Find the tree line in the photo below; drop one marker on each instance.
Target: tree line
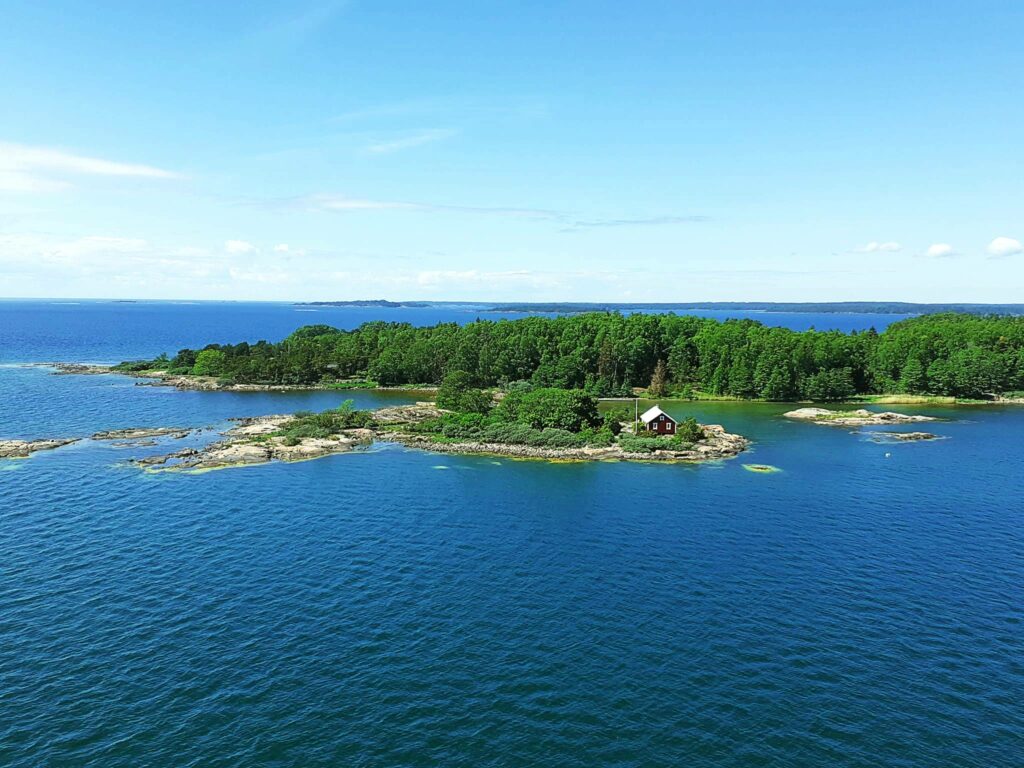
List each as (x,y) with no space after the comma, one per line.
(608,354)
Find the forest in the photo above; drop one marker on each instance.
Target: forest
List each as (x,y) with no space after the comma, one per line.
(609,354)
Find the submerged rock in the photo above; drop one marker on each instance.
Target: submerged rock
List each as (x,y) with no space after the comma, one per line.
(764,469)
(904,437)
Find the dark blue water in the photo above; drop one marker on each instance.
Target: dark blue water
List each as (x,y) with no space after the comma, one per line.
(398,607)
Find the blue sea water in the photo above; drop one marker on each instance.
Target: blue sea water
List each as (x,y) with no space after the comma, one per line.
(862,607)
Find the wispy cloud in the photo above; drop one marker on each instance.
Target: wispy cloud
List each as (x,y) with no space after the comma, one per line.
(409,141)
(291,30)
(650,221)
(337,204)
(386,111)
(26,168)
(570,222)
(889,246)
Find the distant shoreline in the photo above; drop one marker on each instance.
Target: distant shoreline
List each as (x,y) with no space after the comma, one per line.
(570,307)
(187,382)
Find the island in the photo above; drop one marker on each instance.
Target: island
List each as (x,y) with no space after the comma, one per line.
(858,418)
(547,425)
(949,357)
(544,424)
(530,387)
(366,303)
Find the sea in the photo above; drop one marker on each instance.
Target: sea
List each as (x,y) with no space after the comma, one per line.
(861,606)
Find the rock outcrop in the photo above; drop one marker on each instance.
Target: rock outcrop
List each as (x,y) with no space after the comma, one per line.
(21,449)
(858,418)
(903,437)
(142,433)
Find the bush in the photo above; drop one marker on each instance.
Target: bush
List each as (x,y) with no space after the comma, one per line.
(635,444)
(570,409)
(134,366)
(492,429)
(689,431)
(459,393)
(614,418)
(327,423)
(209,362)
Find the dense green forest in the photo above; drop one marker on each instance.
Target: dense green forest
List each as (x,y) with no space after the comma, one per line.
(608,354)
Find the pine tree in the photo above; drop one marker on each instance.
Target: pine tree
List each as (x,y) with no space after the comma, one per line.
(659,381)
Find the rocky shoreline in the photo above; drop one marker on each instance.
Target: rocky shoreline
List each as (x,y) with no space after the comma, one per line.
(719,444)
(254,441)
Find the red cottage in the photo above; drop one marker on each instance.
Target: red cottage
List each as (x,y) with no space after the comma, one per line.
(657,422)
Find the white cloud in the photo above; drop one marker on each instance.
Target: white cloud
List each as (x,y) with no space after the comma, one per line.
(236,247)
(939,251)
(281,248)
(61,260)
(387,147)
(42,169)
(1005,246)
(889,246)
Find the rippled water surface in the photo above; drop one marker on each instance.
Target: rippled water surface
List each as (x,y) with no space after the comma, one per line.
(862,607)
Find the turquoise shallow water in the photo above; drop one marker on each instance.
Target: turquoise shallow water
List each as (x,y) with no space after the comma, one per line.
(374,609)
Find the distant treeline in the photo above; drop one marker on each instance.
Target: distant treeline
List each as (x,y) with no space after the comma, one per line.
(607,354)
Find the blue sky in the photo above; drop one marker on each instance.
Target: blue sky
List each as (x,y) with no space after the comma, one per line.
(667,151)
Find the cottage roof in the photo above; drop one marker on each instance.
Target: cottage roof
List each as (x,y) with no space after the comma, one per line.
(651,414)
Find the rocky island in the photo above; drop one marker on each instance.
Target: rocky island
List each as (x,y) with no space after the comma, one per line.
(858,418)
(299,437)
(303,436)
(22,449)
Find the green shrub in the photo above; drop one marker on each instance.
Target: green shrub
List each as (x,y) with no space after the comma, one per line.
(326,423)
(640,444)
(689,431)
(569,409)
(209,362)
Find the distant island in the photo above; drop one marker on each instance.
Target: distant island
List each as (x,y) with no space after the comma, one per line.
(364,303)
(828,307)
(842,307)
